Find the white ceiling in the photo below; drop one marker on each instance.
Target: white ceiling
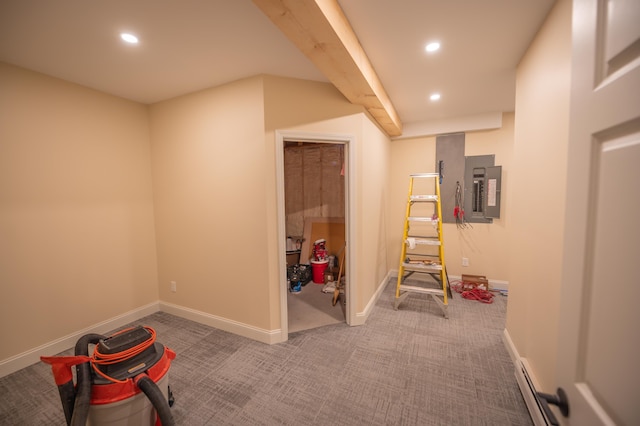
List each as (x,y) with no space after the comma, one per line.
(189,45)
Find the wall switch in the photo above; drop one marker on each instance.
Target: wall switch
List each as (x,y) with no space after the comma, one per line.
(173,286)
(465,261)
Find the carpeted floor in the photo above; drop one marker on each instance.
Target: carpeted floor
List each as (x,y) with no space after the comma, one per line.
(311,308)
(405,367)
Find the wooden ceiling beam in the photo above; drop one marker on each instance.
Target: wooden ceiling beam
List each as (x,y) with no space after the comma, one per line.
(322,32)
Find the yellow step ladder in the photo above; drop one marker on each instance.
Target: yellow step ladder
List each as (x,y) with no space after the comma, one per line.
(422,245)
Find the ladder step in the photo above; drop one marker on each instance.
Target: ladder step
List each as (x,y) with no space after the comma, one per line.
(414,289)
(421,267)
(424,175)
(424,241)
(423,198)
(423,219)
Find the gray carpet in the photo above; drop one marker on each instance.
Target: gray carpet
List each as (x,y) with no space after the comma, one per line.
(405,367)
(311,308)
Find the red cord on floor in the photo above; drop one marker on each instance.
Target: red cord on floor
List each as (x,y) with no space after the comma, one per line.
(478,294)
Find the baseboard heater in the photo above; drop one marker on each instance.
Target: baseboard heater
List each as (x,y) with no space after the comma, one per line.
(538,408)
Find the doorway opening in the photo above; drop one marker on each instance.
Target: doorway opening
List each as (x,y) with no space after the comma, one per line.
(314,187)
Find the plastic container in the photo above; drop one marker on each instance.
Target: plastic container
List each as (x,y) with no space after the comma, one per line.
(320,250)
(318,267)
(134,410)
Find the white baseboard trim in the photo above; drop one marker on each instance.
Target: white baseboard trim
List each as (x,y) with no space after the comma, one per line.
(27,358)
(511,348)
(361,317)
(527,381)
(241,329)
(32,356)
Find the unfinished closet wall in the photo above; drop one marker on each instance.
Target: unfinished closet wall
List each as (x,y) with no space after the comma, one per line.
(314,184)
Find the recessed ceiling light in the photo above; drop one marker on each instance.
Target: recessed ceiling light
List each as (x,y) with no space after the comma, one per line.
(435,97)
(129,38)
(432,47)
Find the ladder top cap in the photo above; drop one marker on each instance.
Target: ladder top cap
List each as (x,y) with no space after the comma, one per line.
(424,175)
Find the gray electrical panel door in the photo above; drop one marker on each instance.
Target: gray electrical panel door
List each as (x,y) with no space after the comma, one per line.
(481,189)
(450,165)
(494,178)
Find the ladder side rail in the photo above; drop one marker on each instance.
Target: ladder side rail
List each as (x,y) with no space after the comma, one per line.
(441,247)
(405,233)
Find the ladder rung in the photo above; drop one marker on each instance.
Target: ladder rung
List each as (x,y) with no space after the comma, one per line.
(423,219)
(423,198)
(424,175)
(414,289)
(425,241)
(421,267)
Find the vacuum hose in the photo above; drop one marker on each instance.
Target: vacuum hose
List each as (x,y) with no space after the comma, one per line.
(157,399)
(68,397)
(83,377)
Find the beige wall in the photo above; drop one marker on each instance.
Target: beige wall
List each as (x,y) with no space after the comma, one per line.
(408,156)
(373,168)
(214,177)
(210,175)
(77,241)
(485,245)
(86,236)
(539,172)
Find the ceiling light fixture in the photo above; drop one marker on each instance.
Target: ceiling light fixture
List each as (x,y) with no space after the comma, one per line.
(432,47)
(435,97)
(129,38)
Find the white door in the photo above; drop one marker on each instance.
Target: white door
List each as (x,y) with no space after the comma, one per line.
(599,350)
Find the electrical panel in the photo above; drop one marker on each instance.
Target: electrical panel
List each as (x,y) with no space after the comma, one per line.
(450,166)
(482,187)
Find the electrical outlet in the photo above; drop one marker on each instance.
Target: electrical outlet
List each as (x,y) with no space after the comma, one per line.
(465,261)
(173,286)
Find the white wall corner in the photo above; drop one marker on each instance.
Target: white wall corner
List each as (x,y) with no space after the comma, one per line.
(32,356)
(361,317)
(225,324)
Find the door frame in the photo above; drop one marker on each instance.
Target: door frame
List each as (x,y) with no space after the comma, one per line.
(348,141)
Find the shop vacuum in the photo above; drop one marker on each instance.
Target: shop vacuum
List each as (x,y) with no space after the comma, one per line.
(124,382)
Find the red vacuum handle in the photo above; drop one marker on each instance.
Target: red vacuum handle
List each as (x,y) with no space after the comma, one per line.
(61,366)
